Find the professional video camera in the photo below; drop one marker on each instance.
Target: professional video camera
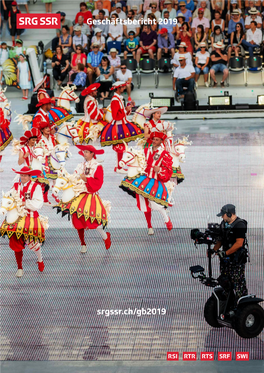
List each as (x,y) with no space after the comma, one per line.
(211,235)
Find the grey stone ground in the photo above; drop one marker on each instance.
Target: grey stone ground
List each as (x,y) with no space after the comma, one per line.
(53,315)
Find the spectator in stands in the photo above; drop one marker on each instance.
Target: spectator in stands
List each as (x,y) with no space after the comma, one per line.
(106,5)
(105,76)
(199,37)
(99,6)
(93,61)
(185,36)
(12,21)
(98,39)
(208,4)
(60,64)
(119,11)
(219,63)
(135,27)
(207,13)
(237,18)
(84,12)
(218,5)
(186,12)
(64,22)
(90,5)
(7,7)
(65,39)
(115,29)
(137,3)
(254,38)
(153,22)
(166,44)
(202,60)
(200,20)
(217,36)
(114,59)
(78,57)
(4,55)
(85,28)
(183,77)
(79,38)
(182,52)
(48,5)
(23,76)
(172,11)
(171,27)
(231,7)
(125,75)
(80,79)
(180,21)
(113,5)
(148,41)
(131,45)
(153,9)
(101,25)
(236,41)
(218,21)
(148,3)
(19,49)
(190,5)
(252,4)
(253,16)
(138,16)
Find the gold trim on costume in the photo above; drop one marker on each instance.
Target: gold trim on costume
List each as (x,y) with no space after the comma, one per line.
(128,139)
(2,147)
(144,194)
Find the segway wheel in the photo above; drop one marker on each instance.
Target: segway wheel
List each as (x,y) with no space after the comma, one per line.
(210,312)
(249,321)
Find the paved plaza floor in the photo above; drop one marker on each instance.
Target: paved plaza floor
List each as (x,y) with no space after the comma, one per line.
(54,315)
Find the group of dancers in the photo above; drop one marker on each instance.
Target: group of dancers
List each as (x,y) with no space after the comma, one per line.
(80,199)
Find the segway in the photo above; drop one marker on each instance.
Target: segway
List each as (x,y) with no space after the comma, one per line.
(222,309)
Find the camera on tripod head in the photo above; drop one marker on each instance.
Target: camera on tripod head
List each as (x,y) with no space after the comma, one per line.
(210,236)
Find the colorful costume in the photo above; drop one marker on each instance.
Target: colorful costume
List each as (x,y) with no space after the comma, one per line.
(150,189)
(5,133)
(151,125)
(87,209)
(26,229)
(119,130)
(25,149)
(41,115)
(93,115)
(57,114)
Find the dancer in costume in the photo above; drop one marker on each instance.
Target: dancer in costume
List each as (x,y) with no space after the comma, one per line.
(42,115)
(92,115)
(120,130)
(87,209)
(27,143)
(150,189)
(48,141)
(154,118)
(5,134)
(57,114)
(22,224)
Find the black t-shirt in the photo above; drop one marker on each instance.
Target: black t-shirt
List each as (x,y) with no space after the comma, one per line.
(62,61)
(214,53)
(237,230)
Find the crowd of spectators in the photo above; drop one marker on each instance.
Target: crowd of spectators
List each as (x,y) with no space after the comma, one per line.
(198,36)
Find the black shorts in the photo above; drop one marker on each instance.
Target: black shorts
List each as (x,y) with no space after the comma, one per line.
(14,31)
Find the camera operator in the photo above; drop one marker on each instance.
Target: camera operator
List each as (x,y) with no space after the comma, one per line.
(234,255)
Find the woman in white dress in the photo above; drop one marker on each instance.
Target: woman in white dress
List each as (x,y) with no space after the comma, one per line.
(23,76)
(115,31)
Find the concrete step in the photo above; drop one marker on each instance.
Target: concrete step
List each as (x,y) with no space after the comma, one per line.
(32,37)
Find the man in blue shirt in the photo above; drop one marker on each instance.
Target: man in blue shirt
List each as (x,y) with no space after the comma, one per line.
(187,13)
(168,23)
(93,61)
(233,21)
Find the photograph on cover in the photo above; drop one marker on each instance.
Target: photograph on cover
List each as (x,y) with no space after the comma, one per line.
(131,171)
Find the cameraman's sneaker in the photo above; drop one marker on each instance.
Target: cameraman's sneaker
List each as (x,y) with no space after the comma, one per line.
(150,231)
(206,84)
